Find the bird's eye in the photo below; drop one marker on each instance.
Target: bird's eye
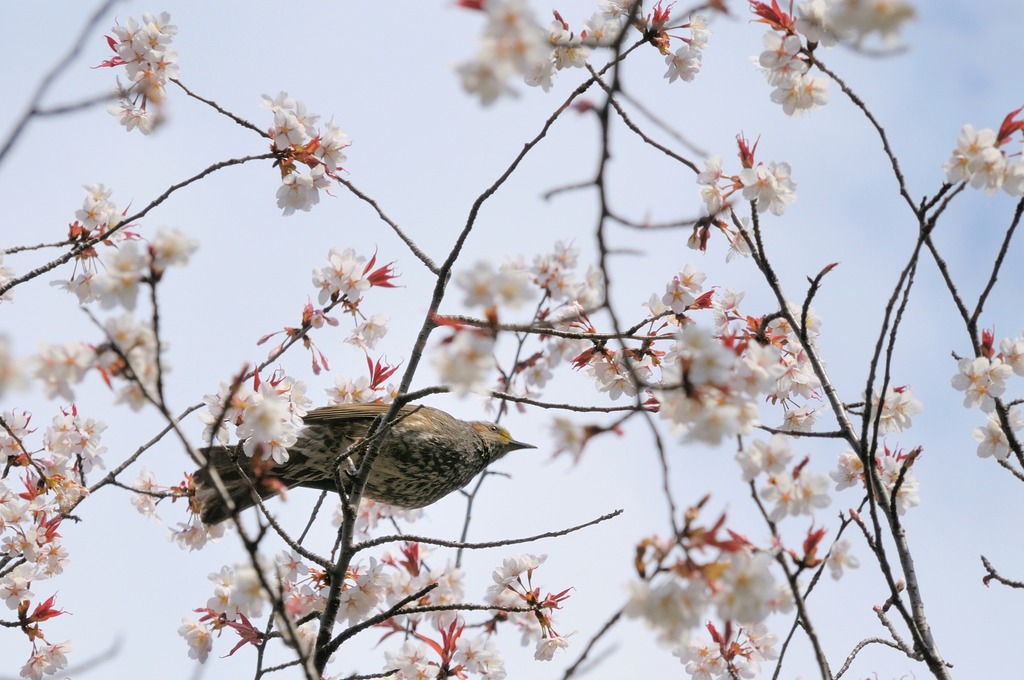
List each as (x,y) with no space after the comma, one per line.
(494,428)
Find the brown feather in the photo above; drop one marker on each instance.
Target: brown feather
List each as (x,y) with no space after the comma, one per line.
(424,455)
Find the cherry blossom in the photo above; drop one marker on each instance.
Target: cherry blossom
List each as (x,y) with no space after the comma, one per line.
(747,587)
(299,143)
(58,367)
(344,275)
(171,247)
(862,18)
(801,93)
(74,441)
(978,161)
(898,408)
(991,437)
(489,288)
(513,42)
(369,332)
(702,659)
(814,22)
(683,64)
(144,502)
(769,457)
(199,638)
(769,186)
(546,647)
(669,606)
(894,469)
(781,58)
(981,380)
(850,471)
(118,283)
(143,48)
(410,661)
(1011,351)
(465,361)
(839,558)
(684,289)
(569,438)
(479,655)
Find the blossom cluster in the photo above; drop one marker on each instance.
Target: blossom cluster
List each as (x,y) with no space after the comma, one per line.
(360,390)
(827,21)
(348,275)
(452,653)
(789,44)
(685,62)
(514,43)
(508,286)
(786,70)
(97,220)
(723,657)
(894,470)
(149,494)
(785,62)
(453,656)
(342,282)
(706,383)
(52,481)
(710,571)
(46,658)
(682,582)
(143,48)
(465,360)
(129,354)
(71,448)
(555,274)
(896,410)
(298,142)
(710,381)
(239,594)
(708,389)
(794,492)
(983,379)
(769,186)
(125,262)
(267,416)
(408,573)
(513,587)
(569,298)
(58,367)
(979,160)
(190,535)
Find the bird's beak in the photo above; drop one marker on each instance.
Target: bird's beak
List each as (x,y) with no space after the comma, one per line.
(515,446)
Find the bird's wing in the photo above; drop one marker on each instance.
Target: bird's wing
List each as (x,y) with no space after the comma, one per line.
(344,412)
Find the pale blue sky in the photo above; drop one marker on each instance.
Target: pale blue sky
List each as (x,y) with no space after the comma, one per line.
(425,150)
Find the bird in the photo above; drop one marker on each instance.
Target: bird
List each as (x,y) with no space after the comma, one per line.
(424,456)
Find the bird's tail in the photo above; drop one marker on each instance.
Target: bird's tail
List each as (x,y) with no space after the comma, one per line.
(243,479)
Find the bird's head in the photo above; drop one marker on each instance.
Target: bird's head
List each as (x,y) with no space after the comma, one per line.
(497,439)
